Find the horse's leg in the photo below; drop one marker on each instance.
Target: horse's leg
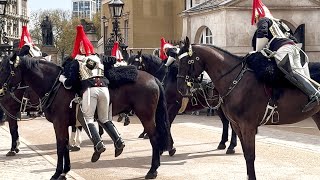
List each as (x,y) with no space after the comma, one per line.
(126,120)
(173,110)
(225,129)
(233,143)
(151,131)
(13,126)
(62,138)
(247,138)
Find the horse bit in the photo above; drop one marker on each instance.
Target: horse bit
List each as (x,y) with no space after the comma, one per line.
(191,80)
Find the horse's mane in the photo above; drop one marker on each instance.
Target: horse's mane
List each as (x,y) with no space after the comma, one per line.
(222,50)
(155,63)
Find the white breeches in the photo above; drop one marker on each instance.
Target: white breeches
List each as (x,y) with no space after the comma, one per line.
(96,98)
(75,139)
(294,58)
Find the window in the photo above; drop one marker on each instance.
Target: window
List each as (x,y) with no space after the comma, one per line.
(206,36)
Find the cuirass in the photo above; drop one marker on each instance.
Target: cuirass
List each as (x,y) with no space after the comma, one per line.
(90,67)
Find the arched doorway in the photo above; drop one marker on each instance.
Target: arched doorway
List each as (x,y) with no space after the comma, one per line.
(204,36)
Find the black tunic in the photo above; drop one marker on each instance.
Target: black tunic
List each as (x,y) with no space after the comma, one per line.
(263,32)
(73,78)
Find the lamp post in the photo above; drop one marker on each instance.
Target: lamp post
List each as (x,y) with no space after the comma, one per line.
(4,46)
(115,7)
(104,20)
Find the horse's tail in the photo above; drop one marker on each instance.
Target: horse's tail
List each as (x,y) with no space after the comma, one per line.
(165,141)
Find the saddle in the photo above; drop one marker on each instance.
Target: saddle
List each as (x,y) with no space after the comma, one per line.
(267,71)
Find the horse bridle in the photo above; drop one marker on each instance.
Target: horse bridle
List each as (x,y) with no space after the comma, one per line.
(141,65)
(4,87)
(43,101)
(191,79)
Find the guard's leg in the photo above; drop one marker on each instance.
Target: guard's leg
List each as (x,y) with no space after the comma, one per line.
(297,75)
(105,117)
(89,104)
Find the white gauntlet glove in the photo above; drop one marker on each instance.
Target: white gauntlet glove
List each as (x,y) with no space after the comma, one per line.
(62,79)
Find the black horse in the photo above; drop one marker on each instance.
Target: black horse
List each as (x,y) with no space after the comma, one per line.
(152,64)
(246,98)
(11,104)
(148,103)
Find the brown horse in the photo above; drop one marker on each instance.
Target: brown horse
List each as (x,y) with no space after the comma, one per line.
(148,103)
(243,97)
(11,104)
(204,95)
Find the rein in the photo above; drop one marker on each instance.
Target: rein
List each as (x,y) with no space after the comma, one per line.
(190,81)
(45,101)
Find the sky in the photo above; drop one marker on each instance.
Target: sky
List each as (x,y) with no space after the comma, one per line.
(49,4)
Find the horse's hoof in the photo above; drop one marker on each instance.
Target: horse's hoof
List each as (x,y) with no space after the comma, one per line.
(119,119)
(74,148)
(62,177)
(172,151)
(141,135)
(230,151)
(126,122)
(11,153)
(161,152)
(17,150)
(221,146)
(151,175)
(55,176)
(146,136)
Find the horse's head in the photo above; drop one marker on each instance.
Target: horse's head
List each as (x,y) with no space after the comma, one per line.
(189,68)
(10,74)
(137,60)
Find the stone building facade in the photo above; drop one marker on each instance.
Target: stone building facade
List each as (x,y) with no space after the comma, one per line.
(229,23)
(144,22)
(16,16)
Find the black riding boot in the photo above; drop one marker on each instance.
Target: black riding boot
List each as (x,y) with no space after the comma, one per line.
(115,136)
(97,142)
(310,90)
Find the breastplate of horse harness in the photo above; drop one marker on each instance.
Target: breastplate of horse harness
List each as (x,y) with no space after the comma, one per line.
(90,67)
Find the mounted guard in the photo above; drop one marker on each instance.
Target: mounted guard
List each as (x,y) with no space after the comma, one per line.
(26,44)
(273,36)
(88,67)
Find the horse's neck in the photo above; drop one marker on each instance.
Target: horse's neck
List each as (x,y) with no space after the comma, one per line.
(220,71)
(40,79)
(153,67)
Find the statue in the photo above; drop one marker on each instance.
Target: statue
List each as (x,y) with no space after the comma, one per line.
(47,35)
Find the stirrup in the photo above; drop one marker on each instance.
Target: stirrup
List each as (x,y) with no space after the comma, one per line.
(311,104)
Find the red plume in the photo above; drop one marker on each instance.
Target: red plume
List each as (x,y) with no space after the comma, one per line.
(25,37)
(258,8)
(116,51)
(163,56)
(82,44)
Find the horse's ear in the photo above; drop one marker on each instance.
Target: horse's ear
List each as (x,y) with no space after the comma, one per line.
(139,53)
(187,42)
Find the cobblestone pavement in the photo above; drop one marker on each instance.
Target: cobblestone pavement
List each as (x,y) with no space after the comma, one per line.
(290,152)
(30,164)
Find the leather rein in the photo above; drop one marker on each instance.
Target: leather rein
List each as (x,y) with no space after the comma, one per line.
(190,78)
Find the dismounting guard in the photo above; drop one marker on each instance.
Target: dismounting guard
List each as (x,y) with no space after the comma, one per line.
(168,52)
(273,35)
(95,93)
